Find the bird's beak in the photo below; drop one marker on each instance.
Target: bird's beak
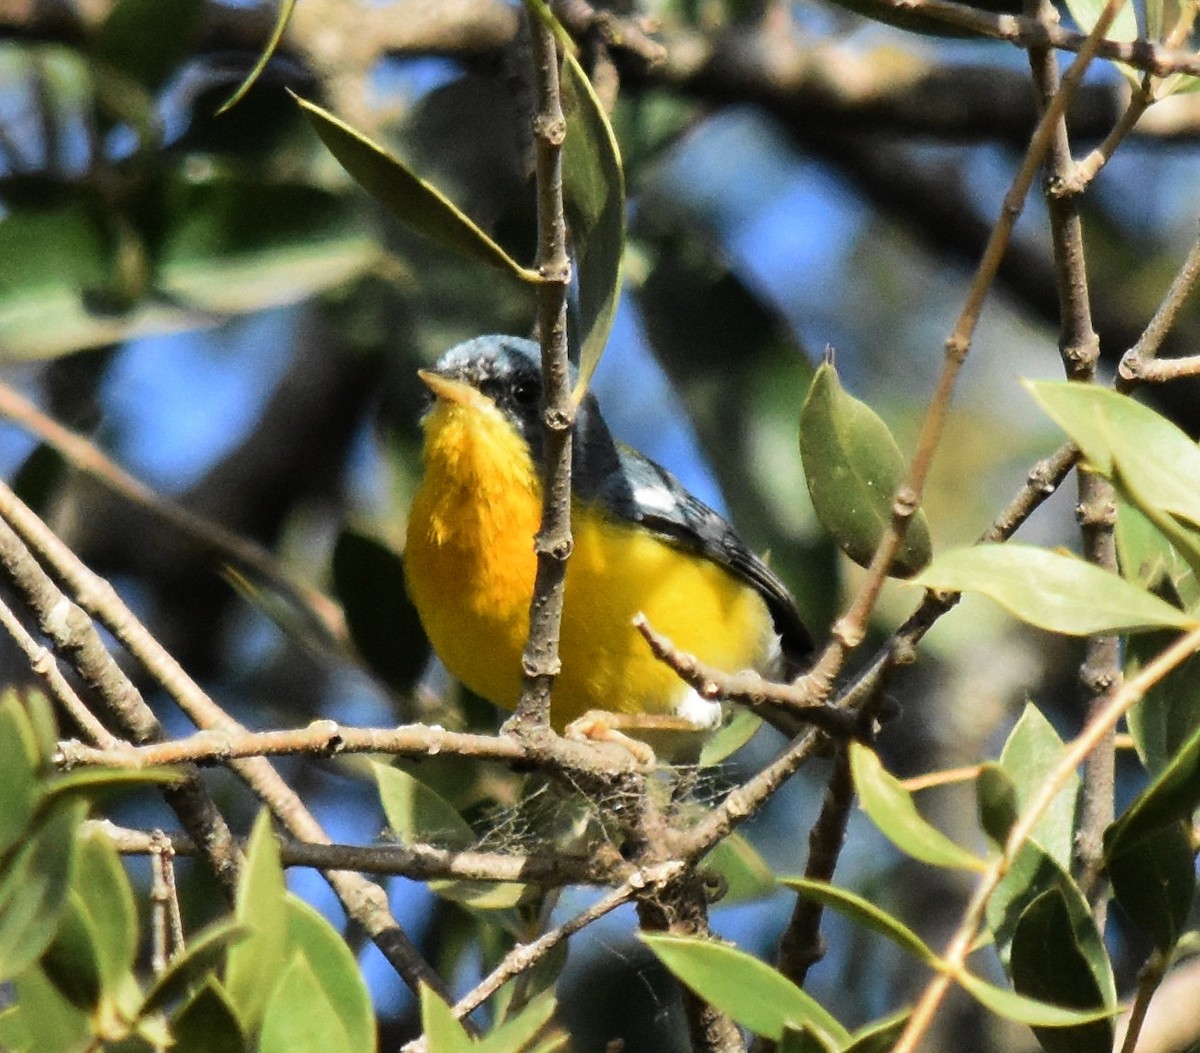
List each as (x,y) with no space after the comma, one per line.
(455,391)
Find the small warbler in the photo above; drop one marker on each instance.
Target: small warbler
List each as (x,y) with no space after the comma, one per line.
(642,543)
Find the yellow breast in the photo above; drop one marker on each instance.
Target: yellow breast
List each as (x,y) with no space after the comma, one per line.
(470,565)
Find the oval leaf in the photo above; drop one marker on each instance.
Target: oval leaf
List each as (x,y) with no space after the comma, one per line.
(853,468)
(750,991)
(1051,590)
(410,199)
(891,808)
(1154,880)
(442,1029)
(300,1014)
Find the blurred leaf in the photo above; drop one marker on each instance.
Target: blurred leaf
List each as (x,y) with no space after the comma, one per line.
(1145,557)
(21,765)
(207,1023)
(996,799)
(411,200)
(1051,590)
(804,1040)
(743,870)
(42,1020)
(891,808)
(33,887)
(196,964)
(1032,752)
(443,1033)
(72,962)
(254,964)
(516,1034)
(107,897)
(1025,1010)
(336,970)
(282,17)
(755,995)
(880,1036)
(1102,423)
(92,783)
(229,246)
(1154,879)
(368,579)
(1183,537)
(300,1014)
(149,39)
(1123,28)
(854,468)
(1048,964)
(729,738)
(1169,713)
(594,199)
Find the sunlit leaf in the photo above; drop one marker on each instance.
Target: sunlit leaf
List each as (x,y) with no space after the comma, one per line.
(335,969)
(854,468)
(442,1030)
(254,963)
(1102,422)
(300,1014)
(198,962)
(516,1034)
(1032,752)
(880,1036)
(744,873)
(408,198)
(891,808)
(1051,590)
(1024,1010)
(738,984)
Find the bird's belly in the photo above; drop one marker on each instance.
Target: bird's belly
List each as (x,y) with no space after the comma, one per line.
(472,584)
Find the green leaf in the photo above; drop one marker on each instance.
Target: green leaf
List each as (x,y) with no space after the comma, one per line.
(253,966)
(1173,795)
(1154,879)
(866,914)
(207,1023)
(1048,964)
(204,952)
(1025,1010)
(516,1034)
(744,873)
(1123,28)
(1033,873)
(368,578)
(42,1020)
(854,468)
(1053,591)
(418,814)
(594,199)
(738,984)
(1032,752)
(300,1014)
(442,1030)
(1183,537)
(33,888)
(996,799)
(804,1040)
(880,1036)
(282,17)
(1103,423)
(408,198)
(729,738)
(335,969)
(148,39)
(91,783)
(21,765)
(891,808)
(106,896)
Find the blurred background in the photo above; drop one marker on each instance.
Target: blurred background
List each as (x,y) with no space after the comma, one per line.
(214,303)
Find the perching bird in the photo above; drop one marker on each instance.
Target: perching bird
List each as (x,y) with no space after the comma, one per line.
(642,544)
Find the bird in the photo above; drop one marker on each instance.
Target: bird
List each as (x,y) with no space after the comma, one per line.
(642,545)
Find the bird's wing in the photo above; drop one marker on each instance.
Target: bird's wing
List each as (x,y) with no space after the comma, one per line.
(646,493)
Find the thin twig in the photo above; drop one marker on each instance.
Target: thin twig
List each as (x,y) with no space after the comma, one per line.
(1140,363)
(1149,979)
(418,862)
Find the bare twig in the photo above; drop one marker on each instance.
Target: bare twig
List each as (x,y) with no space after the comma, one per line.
(1149,979)
(540,663)
(1140,363)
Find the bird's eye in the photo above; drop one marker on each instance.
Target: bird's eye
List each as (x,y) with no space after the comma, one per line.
(525,392)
